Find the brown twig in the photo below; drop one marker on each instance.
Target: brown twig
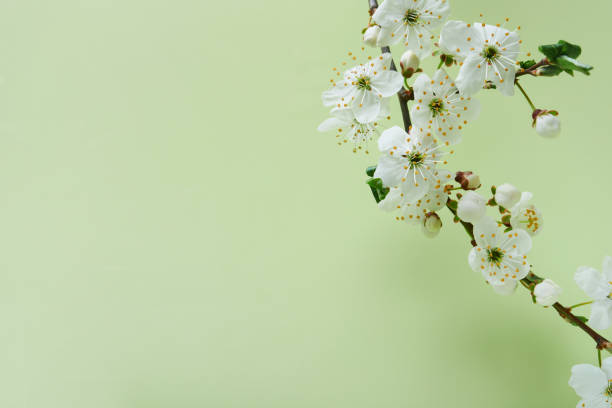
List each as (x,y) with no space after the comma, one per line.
(531,70)
(403,95)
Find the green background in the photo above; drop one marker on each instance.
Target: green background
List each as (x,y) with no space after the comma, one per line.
(175,233)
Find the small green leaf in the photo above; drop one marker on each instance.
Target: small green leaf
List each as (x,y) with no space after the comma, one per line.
(379,191)
(508,229)
(452,204)
(571,50)
(527,64)
(570,64)
(370,171)
(506,219)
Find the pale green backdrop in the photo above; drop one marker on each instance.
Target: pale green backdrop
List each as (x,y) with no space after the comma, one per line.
(175,233)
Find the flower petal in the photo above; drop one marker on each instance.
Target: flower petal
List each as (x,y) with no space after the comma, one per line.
(588,381)
(387,83)
(458,37)
(601,314)
(606,366)
(505,289)
(389,171)
(392,201)
(472,75)
(394,137)
(331,124)
(592,283)
(366,106)
(486,232)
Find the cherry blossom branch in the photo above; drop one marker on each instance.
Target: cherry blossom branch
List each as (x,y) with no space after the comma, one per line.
(403,95)
(528,282)
(531,70)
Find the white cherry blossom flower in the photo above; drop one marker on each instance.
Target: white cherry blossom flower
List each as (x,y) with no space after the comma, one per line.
(500,256)
(363,88)
(598,286)
(593,384)
(349,130)
(486,53)
(440,108)
(412,22)
(410,162)
(526,216)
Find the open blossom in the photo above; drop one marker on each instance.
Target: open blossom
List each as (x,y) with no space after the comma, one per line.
(500,256)
(440,108)
(593,384)
(415,212)
(349,130)
(486,53)
(526,216)
(363,88)
(598,286)
(410,21)
(410,162)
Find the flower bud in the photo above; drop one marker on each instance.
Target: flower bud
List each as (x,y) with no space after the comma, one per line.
(370,37)
(432,225)
(409,63)
(507,195)
(471,207)
(547,293)
(468,180)
(547,123)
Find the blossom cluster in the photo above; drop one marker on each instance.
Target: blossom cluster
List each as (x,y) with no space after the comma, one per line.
(412,180)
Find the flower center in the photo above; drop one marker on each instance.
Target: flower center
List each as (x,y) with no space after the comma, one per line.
(495,256)
(436,106)
(411,17)
(490,53)
(364,83)
(415,159)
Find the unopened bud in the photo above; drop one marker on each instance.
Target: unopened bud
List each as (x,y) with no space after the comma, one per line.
(547,293)
(370,37)
(547,123)
(507,195)
(471,207)
(432,225)
(409,63)
(468,180)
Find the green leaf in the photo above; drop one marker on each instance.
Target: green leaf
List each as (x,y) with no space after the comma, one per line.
(379,191)
(571,50)
(562,56)
(570,64)
(370,171)
(506,219)
(452,204)
(527,64)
